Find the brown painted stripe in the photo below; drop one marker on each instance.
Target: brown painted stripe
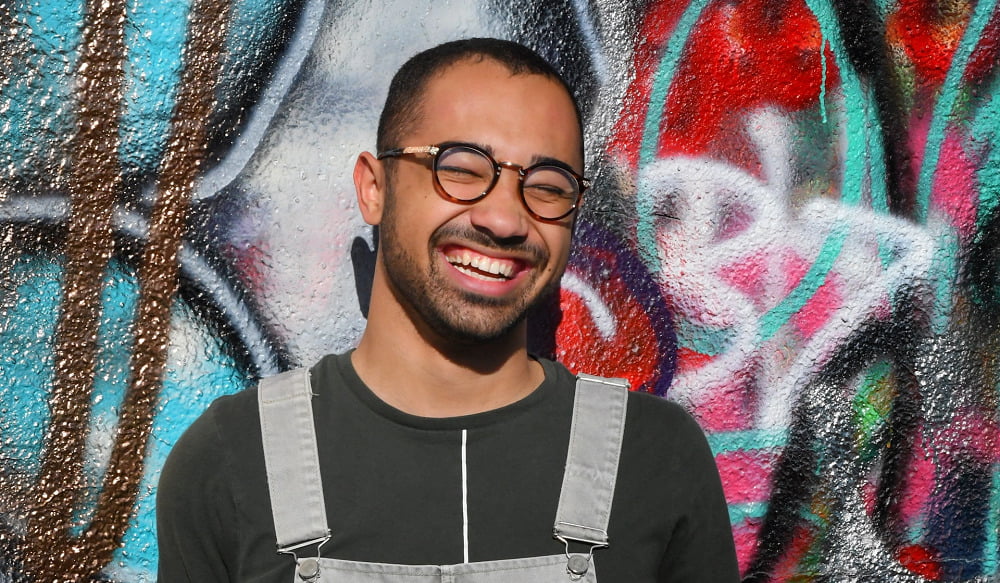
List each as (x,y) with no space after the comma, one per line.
(95,184)
(12,44)
(50,553)
(186,150)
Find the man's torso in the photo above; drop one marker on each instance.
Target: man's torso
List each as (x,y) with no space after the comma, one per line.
(394,485)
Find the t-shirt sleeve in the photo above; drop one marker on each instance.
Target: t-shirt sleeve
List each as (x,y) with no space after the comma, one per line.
(193,503)
(701,548)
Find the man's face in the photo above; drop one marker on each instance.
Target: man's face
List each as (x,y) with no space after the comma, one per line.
(470,272)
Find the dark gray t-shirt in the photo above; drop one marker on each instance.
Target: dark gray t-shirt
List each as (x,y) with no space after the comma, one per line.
(393,486)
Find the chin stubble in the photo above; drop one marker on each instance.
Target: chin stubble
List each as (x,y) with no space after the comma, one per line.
(456,315)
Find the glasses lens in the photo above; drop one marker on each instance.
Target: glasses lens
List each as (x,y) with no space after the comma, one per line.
(464,173)
(550,192)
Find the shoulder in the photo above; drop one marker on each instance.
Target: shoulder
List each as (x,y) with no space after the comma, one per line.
(653,412)
(212,493)
(195,495)
(661,439)
(229,415)
(206,445)
(658,432)
(646,413)
(661,434)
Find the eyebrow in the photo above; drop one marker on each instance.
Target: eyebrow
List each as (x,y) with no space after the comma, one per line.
(535,160)
(551,162)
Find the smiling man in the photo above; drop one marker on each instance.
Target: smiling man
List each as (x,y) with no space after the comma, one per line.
(440,449)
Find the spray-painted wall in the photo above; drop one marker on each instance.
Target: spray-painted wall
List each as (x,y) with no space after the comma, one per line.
(794,232)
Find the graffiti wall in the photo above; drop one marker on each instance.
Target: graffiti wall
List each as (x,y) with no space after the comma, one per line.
(794,232)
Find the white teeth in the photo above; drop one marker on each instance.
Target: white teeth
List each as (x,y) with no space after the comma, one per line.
(481,263)
(475,274)
(504,269)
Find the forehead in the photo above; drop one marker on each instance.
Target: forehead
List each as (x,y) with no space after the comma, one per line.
(484,102)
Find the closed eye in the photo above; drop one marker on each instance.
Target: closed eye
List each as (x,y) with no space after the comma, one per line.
(459,174)
(547,192)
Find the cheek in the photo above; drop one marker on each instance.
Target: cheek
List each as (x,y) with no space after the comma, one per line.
(559,246)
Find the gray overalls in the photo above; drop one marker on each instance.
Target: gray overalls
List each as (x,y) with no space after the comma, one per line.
(299,510)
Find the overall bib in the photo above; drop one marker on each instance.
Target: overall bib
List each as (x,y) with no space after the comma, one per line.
(299,509)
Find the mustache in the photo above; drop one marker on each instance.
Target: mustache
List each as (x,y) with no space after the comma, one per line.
(516,245)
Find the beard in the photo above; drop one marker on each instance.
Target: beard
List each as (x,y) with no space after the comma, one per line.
(457,315)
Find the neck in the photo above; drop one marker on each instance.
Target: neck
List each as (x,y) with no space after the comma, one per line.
(416,370)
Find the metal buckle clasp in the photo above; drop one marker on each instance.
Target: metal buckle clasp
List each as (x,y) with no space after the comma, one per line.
(307,568)
(577,564)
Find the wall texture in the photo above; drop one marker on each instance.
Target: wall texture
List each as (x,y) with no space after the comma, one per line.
(794,233)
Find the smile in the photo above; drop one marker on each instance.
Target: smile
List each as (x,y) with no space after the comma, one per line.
(480,266)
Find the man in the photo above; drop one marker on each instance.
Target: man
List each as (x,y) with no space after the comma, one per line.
(439,449)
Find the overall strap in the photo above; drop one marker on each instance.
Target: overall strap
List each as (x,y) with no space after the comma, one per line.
(592,460)
(292,460)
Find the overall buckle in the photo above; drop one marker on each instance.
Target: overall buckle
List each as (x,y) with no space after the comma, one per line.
(577,564)
(308,568)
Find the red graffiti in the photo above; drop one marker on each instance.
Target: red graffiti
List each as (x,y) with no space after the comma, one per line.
(739,57)
(929,34)
(628,353)
(919,560)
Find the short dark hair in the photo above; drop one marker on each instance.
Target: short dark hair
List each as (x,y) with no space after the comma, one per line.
(402,104)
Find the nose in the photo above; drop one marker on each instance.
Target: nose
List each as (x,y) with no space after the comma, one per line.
(501,213)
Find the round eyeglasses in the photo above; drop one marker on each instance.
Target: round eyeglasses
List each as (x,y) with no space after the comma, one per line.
(465,173)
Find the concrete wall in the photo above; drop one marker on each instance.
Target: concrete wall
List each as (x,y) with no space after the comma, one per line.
(794,233)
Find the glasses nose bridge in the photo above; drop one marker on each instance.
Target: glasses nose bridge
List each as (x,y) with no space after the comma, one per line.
(500,165)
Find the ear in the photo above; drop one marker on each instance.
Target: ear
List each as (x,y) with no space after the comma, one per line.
(369,185)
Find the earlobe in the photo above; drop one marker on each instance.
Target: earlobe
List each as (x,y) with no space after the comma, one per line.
(369,185)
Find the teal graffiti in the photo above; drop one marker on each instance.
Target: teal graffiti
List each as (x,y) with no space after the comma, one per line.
(945,104)
(645,202)
(26,367)
(779,315)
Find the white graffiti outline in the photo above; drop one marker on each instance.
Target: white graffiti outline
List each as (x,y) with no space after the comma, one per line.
(701,193)
(602,316)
